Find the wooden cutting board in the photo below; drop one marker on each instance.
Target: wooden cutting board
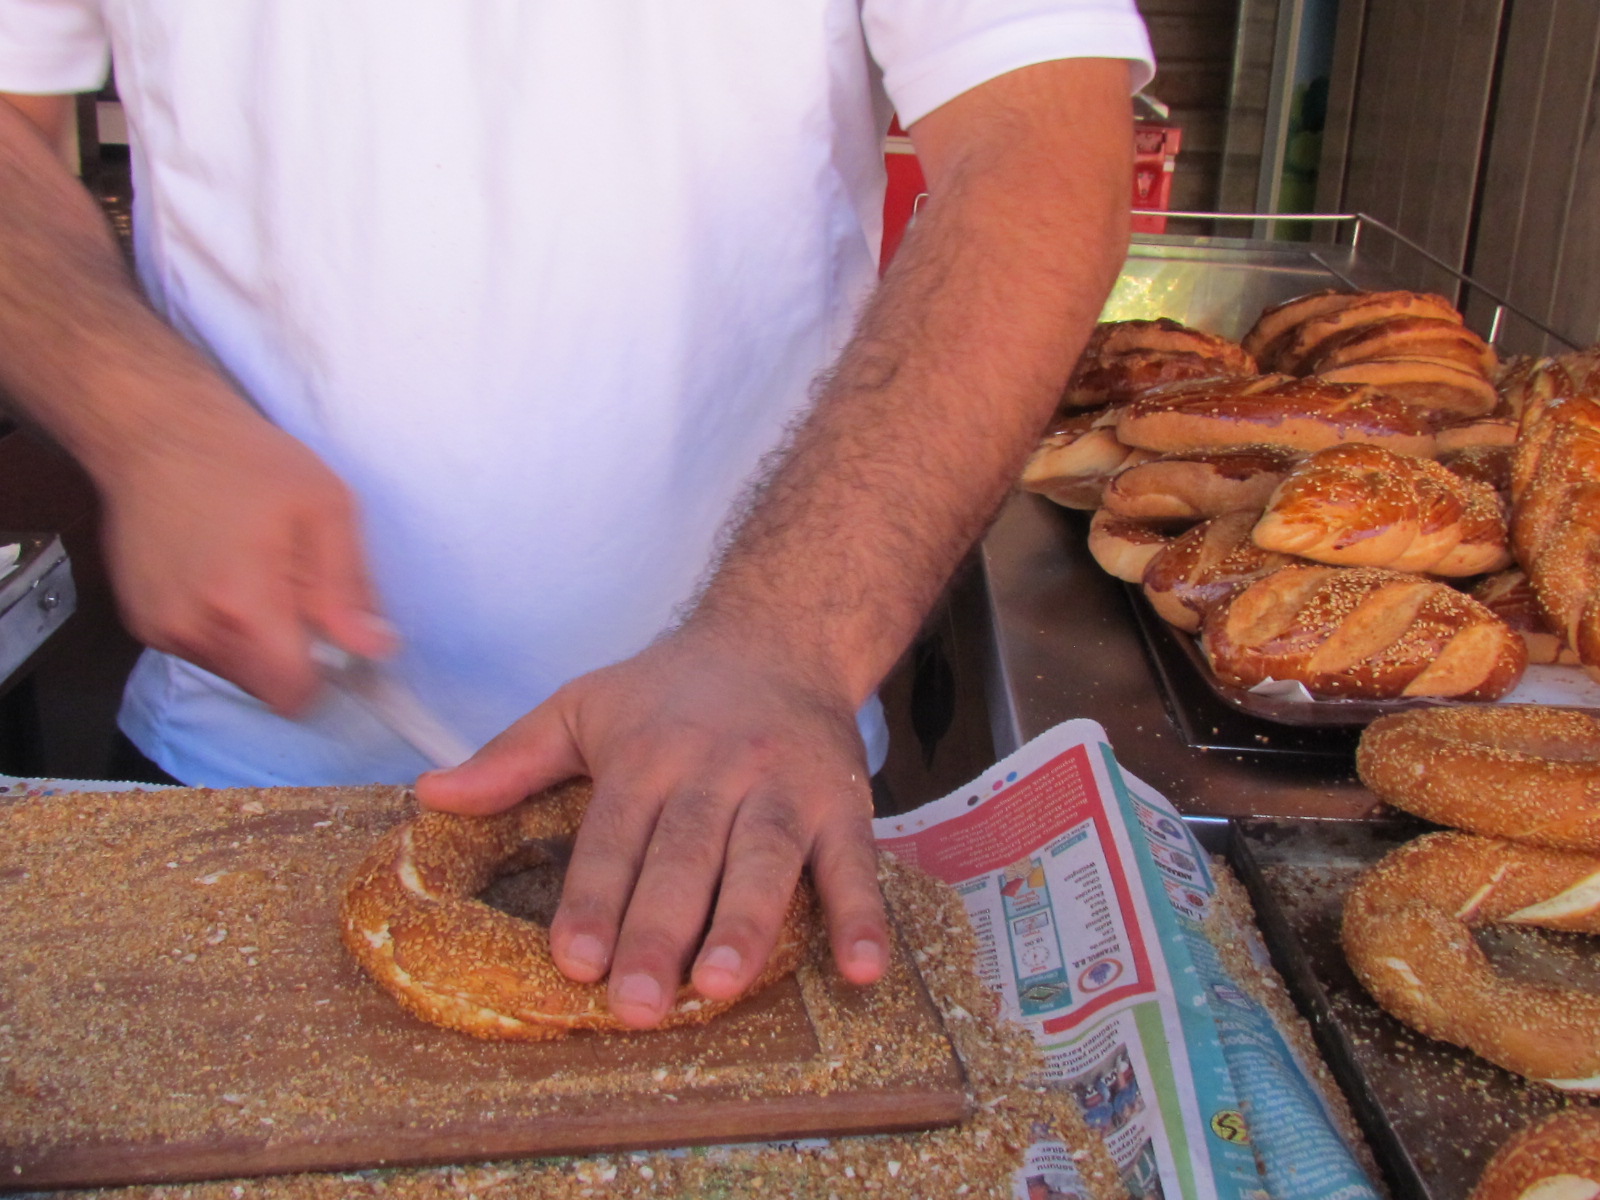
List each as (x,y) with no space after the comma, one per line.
(175,1005)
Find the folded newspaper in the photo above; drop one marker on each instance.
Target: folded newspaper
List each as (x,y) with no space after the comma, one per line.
(1105,929)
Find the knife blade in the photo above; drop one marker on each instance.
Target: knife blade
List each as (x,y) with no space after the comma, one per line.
(374,687)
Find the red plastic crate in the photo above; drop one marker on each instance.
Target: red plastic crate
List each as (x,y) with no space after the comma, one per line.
(906,186)
(1155,157)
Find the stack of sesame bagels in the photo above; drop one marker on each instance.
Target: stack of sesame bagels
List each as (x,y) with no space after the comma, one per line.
(1523,781)
(1555,1159)
(1520,784)
(1356,496)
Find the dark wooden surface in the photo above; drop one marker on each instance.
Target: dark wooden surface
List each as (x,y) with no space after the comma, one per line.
(175,1004)
(1418,117)
(1538,235)
(1473,126)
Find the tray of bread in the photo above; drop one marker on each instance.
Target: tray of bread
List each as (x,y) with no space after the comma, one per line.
(1356,507)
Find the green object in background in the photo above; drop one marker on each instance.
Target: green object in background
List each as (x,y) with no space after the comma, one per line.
(1308,114)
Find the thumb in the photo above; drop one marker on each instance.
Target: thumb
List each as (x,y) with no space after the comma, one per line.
(536,752)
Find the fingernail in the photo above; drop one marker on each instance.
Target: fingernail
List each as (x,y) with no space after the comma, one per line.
(640,990)
(723,958)
(867,954)
(586,950)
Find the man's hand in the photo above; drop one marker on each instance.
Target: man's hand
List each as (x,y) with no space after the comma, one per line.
(234,551)
(720,772)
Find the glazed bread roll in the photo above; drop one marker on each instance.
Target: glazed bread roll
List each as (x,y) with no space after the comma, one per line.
(1545,410)
(1453,435)
(1178,487)
(1566,458)
(1485,543)
(1196,571)
(1361,505)
(1278,344)
(1304,343)
(1436,386)
(1362,632)
(1298,414)
(1509,595)
(1136,372)
(1583,369)
(1124,547)
(1074,460)
(1526,384)
(1555,495)
(1546,418)
(1523,380)
(1489,465)
(1263,340)
(1123,359)
(1556,447)
(1165,336)
(1553,456)
(1346,505)
(1406,337)
(1565,574)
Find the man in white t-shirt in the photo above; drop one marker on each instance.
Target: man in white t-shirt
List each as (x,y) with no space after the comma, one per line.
(486,338)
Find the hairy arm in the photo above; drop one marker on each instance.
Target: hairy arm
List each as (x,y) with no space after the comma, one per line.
(229,543)
(958,362)
(725,756)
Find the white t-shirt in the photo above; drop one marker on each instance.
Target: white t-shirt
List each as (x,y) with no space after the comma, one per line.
(541,281)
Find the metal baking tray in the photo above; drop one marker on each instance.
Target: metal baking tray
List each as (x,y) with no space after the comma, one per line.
(1245,274)
(1212,716)
(1181,666)
(1433,1113)
(1179,658)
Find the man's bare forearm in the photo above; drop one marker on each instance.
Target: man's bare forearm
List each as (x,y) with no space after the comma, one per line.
(921,430)
(81,353)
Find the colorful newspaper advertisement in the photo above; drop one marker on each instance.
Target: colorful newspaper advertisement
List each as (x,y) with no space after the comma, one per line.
(1089,895)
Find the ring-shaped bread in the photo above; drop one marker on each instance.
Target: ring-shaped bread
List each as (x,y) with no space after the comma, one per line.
(411,918)
(1407,933)
(1522,771)
(1556,1159)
